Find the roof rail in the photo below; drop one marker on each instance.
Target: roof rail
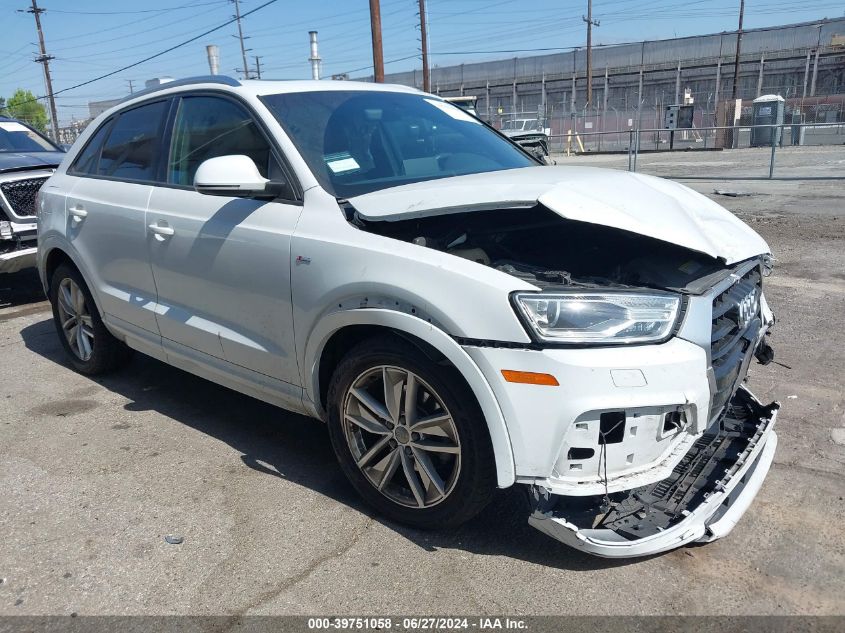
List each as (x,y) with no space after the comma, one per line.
(187,81)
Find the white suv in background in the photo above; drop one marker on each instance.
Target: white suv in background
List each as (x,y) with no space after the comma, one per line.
(460,316)
(27,159)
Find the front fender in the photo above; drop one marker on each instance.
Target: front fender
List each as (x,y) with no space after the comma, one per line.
(437,338)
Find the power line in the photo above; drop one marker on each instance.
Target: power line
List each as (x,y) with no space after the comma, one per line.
(183,6)
(390,61)
(475,10)
(345,40)
(151,57)
(132,24)
(126,39)
(101,53)
(323,21)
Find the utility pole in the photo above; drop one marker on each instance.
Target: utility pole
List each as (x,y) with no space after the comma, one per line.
(237,17)
(44,60)
(731,136)
(424,39)
(375,28)
(738,46)
(131,87)
(590,23)
(257,67)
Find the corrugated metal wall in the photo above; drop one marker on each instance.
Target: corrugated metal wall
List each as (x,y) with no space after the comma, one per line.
(784,48)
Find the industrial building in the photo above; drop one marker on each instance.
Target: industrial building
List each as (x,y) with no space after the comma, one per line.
(804,63)
(797,61)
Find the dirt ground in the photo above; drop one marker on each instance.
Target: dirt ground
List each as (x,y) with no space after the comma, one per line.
(95,473)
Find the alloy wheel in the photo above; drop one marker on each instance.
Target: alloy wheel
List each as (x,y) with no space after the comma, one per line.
(401,436)
(75,319)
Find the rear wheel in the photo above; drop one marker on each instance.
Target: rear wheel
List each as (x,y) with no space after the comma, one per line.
(409,435)
(91,347)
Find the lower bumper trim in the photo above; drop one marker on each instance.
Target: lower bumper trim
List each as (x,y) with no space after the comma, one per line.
(703,500)
(17,260)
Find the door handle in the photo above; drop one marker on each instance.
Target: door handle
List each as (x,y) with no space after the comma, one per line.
(160,231)
(78,213)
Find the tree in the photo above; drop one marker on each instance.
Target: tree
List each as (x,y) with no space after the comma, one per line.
(24,106)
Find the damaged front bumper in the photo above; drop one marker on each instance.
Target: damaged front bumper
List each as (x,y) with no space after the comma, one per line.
(18,244)
(702,500)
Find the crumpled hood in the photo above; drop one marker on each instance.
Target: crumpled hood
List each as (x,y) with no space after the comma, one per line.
(13,161)
(641,204)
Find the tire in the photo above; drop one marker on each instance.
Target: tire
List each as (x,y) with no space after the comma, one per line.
(94,350)
(449,455)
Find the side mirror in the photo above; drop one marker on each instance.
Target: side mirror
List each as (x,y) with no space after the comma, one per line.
(234,176)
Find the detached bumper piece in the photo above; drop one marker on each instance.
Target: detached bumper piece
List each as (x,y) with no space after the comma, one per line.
(702,500)
(18,243)
(13,261)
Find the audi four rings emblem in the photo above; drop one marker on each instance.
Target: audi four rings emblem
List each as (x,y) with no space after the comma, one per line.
(747,308)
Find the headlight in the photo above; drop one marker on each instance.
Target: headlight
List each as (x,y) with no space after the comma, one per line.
(599,317)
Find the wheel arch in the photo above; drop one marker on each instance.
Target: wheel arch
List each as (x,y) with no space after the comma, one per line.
(336,333)
(55,257)
(56,254)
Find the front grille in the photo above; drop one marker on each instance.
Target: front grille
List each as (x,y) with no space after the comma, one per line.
(20,194)
(736,324)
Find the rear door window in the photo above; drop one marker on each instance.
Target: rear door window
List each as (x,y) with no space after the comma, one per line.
(207,127)
(132,148)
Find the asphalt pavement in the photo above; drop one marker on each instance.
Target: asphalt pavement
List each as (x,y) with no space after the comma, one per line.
(95,474)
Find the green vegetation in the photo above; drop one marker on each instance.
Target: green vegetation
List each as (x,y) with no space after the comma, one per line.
(24,106)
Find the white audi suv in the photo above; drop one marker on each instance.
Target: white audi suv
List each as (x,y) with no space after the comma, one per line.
(461,316)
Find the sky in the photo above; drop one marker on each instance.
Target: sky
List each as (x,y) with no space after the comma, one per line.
(90,38)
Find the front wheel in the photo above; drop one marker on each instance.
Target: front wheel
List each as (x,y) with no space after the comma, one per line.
(409,435)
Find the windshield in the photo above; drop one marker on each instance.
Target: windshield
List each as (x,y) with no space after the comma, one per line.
(16,137)
(360,141)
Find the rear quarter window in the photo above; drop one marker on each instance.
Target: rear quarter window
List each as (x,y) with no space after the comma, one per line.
(132,148)
(88,159)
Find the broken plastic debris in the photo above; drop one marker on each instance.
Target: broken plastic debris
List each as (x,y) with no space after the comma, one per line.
(172,539)
(792,397)
(732,194)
